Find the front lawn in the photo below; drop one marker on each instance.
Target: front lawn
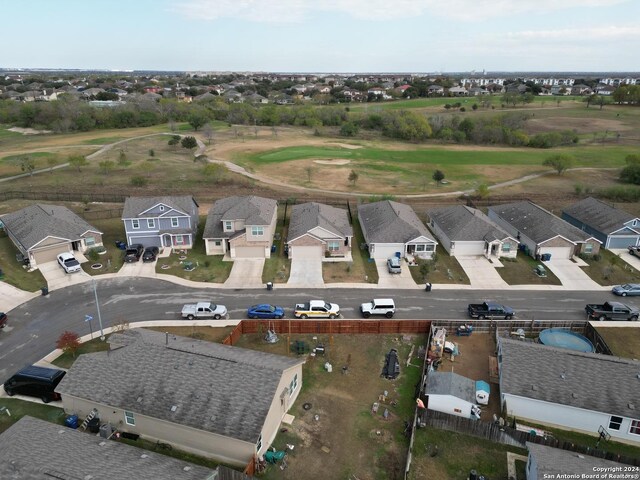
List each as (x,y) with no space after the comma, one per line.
(606,268)
(112,229)
(19,408)
(278,266)
(14,273)
(521,271)
(442,269)
(96,345)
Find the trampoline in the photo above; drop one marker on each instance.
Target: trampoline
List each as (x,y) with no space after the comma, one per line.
(561,338)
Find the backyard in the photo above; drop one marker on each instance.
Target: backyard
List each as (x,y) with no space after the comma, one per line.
(623,341)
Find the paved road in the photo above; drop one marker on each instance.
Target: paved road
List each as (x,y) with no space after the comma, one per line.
(35,326)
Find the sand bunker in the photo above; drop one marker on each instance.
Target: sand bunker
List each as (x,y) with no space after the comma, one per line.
(28,131)
(337,161)
(346,145)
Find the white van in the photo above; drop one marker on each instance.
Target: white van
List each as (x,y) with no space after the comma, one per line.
(379,306)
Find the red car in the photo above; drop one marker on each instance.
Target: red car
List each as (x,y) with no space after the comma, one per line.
(3,319)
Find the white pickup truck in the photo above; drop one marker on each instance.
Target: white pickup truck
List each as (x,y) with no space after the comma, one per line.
(204,310)
(316,309)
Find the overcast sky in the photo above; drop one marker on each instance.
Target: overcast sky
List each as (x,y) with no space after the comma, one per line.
(322,35)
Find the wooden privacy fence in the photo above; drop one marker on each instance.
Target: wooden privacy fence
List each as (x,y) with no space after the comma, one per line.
(348,327)
(597,340)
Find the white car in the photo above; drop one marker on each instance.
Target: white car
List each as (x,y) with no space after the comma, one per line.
(69,263)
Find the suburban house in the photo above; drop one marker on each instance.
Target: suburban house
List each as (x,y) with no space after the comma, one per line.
(573,390)
(205,398)
(448,392)
(458,91)
(613,227)
(161,221)
(40,232)
(390,227)
(319,231)
(541,232)
(462,230)
(35,449)
(242,227)
(547,462)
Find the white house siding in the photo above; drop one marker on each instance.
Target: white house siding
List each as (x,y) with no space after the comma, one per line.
(250,252)
(565,416)
(212,249)
(298,252)
(467,248)
(383,251)
(449,404)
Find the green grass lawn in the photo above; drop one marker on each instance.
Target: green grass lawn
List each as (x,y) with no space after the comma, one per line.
(278,266)
(623,342)
(96,345)
(607,268)
(520,271)
(20,408)
(112,260)
(13,272)
(444,269)
(361,269)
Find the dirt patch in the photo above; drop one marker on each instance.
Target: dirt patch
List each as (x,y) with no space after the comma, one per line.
(28,131)
(335,161)
(579,125)
(346,145)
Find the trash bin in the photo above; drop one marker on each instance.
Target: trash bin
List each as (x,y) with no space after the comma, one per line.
(94,425)
(269,285)
(71,421)
(398,254)
(45,291)
(427,287)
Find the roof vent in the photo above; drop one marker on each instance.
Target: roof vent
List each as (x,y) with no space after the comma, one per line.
(534,388)
(102,444)
(60,432)
(190,362)
(144,455)
(175,367)
(174,408)
(580,456)
(631,406)
(574,395)
(139,399)
(212,418)
(187,468)
(88,477)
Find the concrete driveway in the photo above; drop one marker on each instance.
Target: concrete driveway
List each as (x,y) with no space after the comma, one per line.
(57,278)
(628,258)
(571,275)
(246,273)
(306,272)
(481,272)
(394,280)
(138,269)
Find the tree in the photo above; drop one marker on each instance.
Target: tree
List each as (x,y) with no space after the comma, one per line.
(353,177)
(174,140)
(68,342)
(27,165)
(560,162)
(309,171)
(213,171)
(123,161)
(189,142)
(349,129)
(77,161)
(197,119)
(482,191)
(438,176)
(207,130)
(106,166)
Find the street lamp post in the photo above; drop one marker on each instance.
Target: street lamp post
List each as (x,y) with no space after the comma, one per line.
(95,293)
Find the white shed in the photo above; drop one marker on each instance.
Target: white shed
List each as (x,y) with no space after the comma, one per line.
(448,392)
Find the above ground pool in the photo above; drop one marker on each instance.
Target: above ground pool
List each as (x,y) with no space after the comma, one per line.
(561,338)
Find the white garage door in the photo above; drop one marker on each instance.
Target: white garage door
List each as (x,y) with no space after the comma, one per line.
(557,252)
(299,253)
(386,250)
(49,254)
(467,248)
(249,252)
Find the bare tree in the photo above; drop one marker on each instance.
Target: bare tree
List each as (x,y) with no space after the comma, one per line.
(207,131)
(309,171)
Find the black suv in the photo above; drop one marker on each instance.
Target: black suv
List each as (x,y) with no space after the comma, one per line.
(150,254)
(133,253)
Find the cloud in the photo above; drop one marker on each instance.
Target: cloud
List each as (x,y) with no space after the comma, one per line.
(293,11)
(609,32)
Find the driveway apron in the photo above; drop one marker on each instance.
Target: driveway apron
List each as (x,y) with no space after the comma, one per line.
(628,258)
(246,273)
(571,275)
(306,272)
(394,280)
(57,278)
(481,272)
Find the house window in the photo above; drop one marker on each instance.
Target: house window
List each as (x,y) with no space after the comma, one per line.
(257,231)
(293,385)
(635,222)
(151,223)
(333,246)
(218,243)
(420,248)
(89,241)
(635,427)
(506,247)
(429,248)
(228,226)
(135,223)
(174,222)
(615,422)
(179,240)
(129,418)
(588,247)
(259,444)
(162,208)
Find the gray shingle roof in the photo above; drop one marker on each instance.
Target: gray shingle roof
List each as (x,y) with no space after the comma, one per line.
(462,223)
(552,461)
(33,449)
(390,222)
(134,206)
(253,210)
(307,216)
(36,222)
(601,383)
(449,383)
(216,388)
(537,223)
(599,215)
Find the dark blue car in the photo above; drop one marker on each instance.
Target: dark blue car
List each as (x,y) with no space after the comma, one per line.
(265,311)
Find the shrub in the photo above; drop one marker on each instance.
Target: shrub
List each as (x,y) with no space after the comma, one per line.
(138,181)
(92,254)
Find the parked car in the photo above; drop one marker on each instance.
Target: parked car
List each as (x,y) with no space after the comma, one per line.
(316,309)
(394,265)
(133,253)
(265,310)
(69,263)
(3,319)
(203,310)
(150,254)
(626,289)
(612,311)
(379,306)
(39,382)
(490,310)
(634,250)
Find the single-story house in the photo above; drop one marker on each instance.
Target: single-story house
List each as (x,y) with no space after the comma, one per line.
(390,227)
(467,231)
(40,232)
(35,449)
(241,227)
(170,221)
(319,231)
(205,398)
(542,232)
(448,392)
(547,462)
(569,389)
(613,227)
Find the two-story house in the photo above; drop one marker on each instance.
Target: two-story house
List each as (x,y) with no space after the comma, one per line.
(241,227)
(170,221)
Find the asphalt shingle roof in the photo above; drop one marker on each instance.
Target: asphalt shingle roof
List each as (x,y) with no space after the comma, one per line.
(552,461)
(33,449)
(390,222)
(134,206)
(217,388)
(449,383)
(599,215)
(307,216)
(537,223)
(462,223)
(33,224)
(590,381)
(252,209)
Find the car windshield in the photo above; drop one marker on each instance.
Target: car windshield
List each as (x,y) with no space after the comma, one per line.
(213,306)
(327,306)
(270,308)
(626,286)
(71,262)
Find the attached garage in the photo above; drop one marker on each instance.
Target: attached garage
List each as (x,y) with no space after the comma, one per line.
(250,252)
(383,251)
(148,241)
(50,253)
(558,252)
(467,248)
(305,252)
(622,242)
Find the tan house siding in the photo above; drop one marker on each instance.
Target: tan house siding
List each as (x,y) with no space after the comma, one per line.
(596,247)
(306,241)
(243,241)
(557,242)
(212,249)
(97,237)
